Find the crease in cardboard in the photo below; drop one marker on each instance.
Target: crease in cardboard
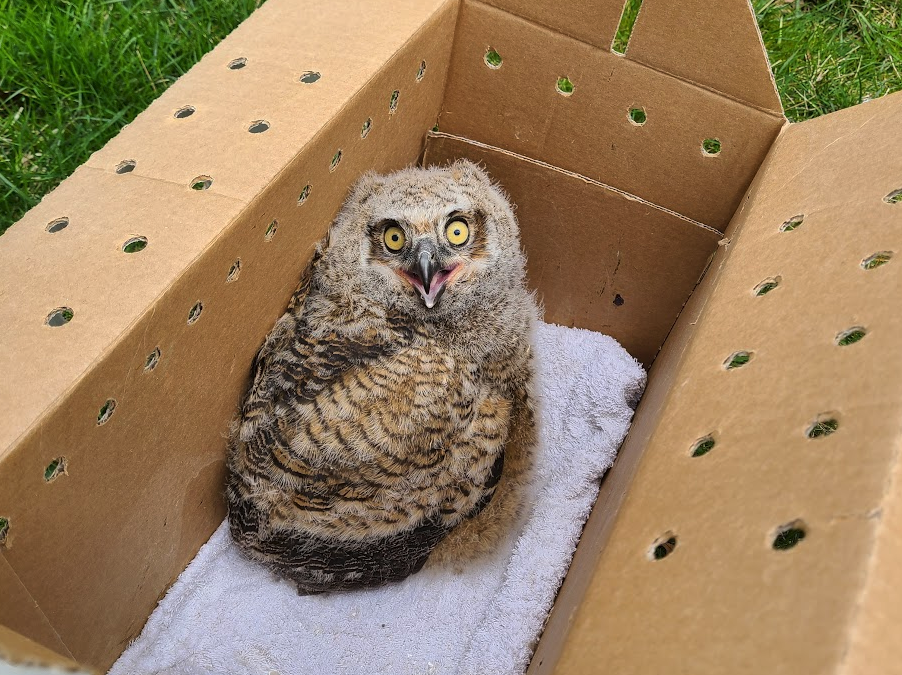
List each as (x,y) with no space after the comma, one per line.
(705,88)
(573,174)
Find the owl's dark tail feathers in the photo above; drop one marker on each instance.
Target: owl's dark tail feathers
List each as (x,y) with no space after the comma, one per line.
(319,565)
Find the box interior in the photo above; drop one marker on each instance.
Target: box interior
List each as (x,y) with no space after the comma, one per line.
(167,334)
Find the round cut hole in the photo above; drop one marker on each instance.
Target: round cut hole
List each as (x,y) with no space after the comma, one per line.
(134,245)
(4,530)
(792,223)
(618,300)
(310,76)
(703,446)
(850,336)
(824,426)
(711,147)
(305,194)
(492,59)
(258,126)
(365,130)
(126,166)
(737,360)
(637,116)
(57,225)
(421,72)
(60,317)
(194,314)
(663,546)
(876,260)
(894,197)
(201,183)
(767,286)
(271,230)
(106,411)
(237,64)
(234,271)
(564,86)
(152,360)
(184,112)
(787,536)
(56,468)
(393,102)
(336,158)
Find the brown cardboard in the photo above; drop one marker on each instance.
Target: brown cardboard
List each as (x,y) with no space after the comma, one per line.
(724,600)
(19,650)
(517,107)
(88,554)
(634,263)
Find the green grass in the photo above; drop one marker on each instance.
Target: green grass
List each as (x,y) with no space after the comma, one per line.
(73,72)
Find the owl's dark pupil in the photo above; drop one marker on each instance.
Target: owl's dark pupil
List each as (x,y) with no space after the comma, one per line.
(394,237)
(456,233)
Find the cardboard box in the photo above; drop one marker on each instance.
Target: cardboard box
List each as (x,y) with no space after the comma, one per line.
(786,226)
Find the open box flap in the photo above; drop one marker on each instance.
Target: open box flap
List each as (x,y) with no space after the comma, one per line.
(806,435)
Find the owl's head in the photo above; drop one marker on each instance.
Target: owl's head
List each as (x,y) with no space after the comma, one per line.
(429,241)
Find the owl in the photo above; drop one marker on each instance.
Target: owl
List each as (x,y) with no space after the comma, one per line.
(390,416)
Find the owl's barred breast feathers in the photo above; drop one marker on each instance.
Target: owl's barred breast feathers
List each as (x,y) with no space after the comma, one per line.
(390,415)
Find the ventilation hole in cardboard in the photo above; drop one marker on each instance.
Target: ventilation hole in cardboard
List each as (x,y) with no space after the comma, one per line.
(271,230)
(59,317)
(823,426)
(876,260)
(435,128)
(234,271)
(792,223)
(663,546)
(737,360)
(393,102)
(258,126)
(55,469)
(637,116)
(201,183)
(310,76)
(625,28)
(57,225)
(184,112)
(703,446)
(336,158)
(106,411)
(850,336)
(787,536)
(126,166)
(194,314)
(152,360)
(305,194)
(365,129)
(421,72)
(4,530)
(237,64)
(767,285)
(894,197)
(134,245)
(711,147)
(618,300)
(564,86)
(492,59)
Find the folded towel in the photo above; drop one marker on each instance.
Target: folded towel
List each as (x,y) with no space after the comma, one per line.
(228,615)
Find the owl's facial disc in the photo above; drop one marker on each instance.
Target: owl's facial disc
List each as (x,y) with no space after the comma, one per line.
(426,275)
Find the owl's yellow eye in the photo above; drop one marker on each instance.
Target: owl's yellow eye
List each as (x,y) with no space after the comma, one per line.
(394,238)
(457,232)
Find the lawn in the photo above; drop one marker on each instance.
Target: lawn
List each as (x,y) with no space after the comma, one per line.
(73,72)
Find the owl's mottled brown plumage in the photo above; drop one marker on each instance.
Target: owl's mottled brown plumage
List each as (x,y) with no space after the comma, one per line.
(390,415)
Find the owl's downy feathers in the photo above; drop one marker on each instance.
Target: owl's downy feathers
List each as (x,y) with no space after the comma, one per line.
(390,415)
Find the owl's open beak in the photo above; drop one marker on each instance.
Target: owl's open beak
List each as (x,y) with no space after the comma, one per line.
(427,276)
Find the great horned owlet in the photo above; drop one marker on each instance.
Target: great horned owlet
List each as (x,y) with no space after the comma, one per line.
(391,412)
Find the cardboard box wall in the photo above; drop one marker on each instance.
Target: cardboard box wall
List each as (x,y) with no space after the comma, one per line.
(88,555)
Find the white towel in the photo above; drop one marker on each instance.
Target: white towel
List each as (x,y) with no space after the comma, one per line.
(227,615)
